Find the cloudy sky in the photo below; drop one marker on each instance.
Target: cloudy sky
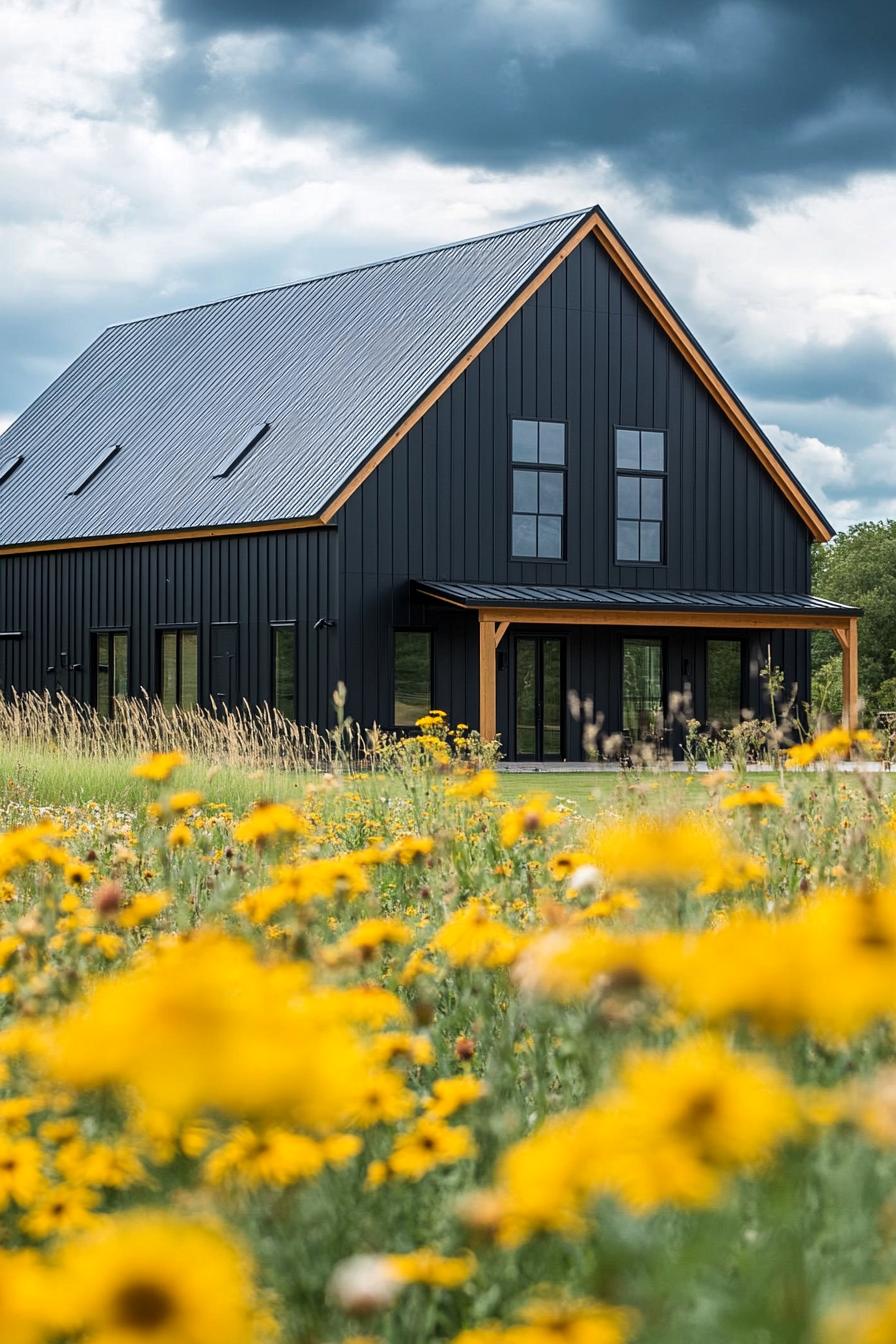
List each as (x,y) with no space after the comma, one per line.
(156,153)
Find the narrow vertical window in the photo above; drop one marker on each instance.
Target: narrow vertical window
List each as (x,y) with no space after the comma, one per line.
(642,689)
(110,670)
(640,497)
(178,668)
(538,454)
(284,660)
(413,676)
(724,660)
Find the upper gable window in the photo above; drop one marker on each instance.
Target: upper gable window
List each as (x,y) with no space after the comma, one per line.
(538,452)
(640,497)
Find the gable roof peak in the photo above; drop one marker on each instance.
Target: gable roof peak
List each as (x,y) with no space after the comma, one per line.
(572,216)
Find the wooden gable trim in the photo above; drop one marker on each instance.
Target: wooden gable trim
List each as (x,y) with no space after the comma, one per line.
(695,359)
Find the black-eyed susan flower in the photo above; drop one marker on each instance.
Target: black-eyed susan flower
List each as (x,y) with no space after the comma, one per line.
(158,765)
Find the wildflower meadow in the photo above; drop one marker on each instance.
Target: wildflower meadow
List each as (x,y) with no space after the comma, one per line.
(396,1059)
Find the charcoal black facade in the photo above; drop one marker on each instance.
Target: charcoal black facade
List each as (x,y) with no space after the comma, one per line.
(583,355)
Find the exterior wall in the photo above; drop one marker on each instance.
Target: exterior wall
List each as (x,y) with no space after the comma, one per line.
(585,350)
(56,599)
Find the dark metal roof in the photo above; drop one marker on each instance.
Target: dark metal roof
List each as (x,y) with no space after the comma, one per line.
(333,364)
(632,599)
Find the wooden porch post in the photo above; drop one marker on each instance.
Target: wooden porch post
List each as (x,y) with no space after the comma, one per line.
(488,715)
(850,646)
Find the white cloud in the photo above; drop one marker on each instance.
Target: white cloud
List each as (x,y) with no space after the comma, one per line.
(846,486)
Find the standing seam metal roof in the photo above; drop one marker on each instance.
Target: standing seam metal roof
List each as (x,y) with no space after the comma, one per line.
(632,599)
(333,363)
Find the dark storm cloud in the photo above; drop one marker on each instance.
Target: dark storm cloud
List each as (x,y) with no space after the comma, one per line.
(217,16)
(714,101)
(861,372)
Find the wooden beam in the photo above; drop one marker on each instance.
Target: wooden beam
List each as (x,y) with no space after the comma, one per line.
(684,344)
(851,677)
(501,631)
(707,620)
(186,534)
(459,367)
(488,716)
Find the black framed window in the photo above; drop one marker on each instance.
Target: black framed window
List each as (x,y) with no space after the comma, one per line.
(640,497)
(284,663)
(110,669)
(724,682)
(642,689)
(178,668)
(412,676)
(538,453)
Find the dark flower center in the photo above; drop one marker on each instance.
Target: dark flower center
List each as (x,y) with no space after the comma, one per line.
(143,1305)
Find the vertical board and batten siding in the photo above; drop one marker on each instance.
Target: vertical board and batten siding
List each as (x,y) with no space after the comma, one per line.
(58,598)
(585,350)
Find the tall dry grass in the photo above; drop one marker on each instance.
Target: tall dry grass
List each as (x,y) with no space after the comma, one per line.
(248,737)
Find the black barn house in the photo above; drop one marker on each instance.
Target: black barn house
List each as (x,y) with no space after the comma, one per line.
(475,478)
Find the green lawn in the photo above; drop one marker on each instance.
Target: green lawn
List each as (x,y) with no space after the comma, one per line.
(51,779)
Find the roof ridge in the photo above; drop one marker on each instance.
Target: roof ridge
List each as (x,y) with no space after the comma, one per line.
(351,270)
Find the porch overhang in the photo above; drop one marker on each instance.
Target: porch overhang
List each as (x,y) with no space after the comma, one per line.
(500,605)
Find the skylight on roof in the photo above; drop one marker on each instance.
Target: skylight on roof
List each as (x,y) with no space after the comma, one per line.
(236,455)
(9,466)
(96,465)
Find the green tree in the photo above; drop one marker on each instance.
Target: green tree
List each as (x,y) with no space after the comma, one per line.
(859,568)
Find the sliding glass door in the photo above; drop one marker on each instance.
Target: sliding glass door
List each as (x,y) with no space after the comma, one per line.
(539,695)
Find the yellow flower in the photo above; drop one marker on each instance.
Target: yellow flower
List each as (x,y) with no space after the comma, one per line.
(184,801)
(26,845)
(113,1166)
(26,1298)
(408,848)
(581,1321)
(316,879)
(682,1120)
(382,1099)
(431,1143)
(532,815)
(150,1278)
(472,938)
(143,907)
(682,851)
(180,836)
(416,965)
(158,765)
(77,873)
(484,784)
(450,1094)
(201,1024)
(563,865)
(269,821)
(20,1171)
(392,1045)
(672,1131)
(868,1319)
(264,1157)
(370,934)
(764,795)
(60,1210)
(831,746)
(438,1271)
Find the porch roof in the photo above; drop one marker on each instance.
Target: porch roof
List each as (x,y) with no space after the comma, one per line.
(554,597)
